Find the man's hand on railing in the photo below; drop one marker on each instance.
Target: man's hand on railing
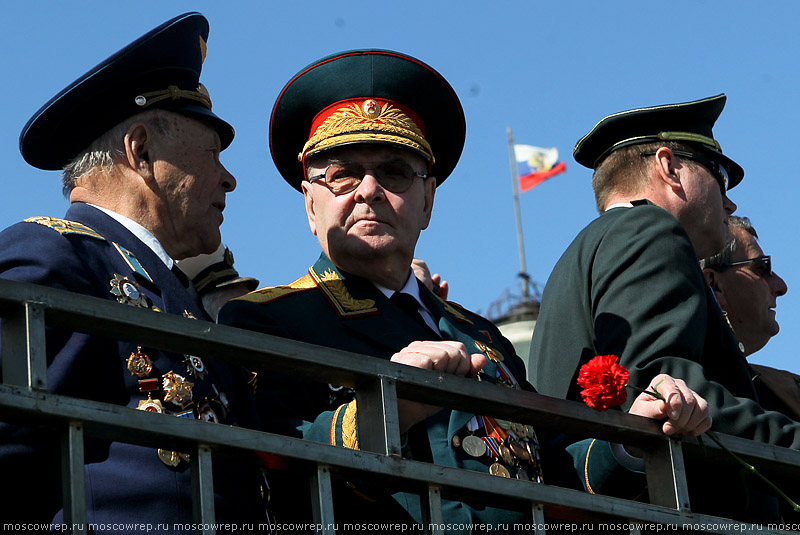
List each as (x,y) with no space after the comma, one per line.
(685,411)
(444,356)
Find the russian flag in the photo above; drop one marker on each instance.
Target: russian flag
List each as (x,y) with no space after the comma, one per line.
(535,165)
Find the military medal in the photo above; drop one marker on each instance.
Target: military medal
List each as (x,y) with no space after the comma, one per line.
(456,441)
(503,424)
(497,469)
(519,450)
(473,445)
(148,385)
(221,400)
(139,364)
(172,458)
(506,454)
(195,367)
(151,405)
(205,412)
(489,352)
(127,291)
(176,388)
(522,474)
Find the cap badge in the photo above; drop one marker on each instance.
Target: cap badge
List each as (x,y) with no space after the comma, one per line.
(371,108)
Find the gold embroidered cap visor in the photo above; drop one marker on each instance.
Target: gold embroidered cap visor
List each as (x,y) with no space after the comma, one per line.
(367,96)
(367,120)
(160,70)
(689,122)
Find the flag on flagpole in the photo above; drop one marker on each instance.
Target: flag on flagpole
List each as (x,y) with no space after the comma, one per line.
(535,165)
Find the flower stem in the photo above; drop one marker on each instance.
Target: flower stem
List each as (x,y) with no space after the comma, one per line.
(752,469)
(654,392)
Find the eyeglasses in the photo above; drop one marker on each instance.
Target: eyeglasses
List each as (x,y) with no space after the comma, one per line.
(762,265)
(719,171)
(343,177)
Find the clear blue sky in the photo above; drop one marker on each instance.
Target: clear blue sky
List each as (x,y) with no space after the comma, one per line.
(550,70)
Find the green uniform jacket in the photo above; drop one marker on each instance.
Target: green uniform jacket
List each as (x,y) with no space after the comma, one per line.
(333,309)
(630,285)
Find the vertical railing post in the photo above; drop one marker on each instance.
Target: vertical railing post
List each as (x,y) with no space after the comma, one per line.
(432,518)
(666,475)
(24,353)
(73,478)
(378,425)
(203,490)
(537,514)
(322,501)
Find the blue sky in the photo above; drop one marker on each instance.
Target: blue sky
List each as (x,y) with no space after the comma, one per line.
(549,70)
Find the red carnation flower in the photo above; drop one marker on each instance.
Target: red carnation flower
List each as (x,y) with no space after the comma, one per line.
(603,381)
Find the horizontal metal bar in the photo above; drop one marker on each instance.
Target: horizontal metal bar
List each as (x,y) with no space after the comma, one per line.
(149,429)
(171,332)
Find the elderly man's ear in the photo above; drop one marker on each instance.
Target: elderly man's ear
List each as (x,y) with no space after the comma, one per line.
(138,149)
(714,280)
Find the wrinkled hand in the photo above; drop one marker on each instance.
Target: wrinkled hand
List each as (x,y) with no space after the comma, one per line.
(445,356)
(686,412)
(432,282)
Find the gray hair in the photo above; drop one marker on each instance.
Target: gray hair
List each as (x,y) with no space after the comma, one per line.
(105,151)
(721,260)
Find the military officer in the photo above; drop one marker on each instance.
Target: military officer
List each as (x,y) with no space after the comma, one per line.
(368,136)
(630,283)
(139,147)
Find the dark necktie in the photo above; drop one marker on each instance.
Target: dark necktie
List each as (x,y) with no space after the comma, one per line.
(409,305)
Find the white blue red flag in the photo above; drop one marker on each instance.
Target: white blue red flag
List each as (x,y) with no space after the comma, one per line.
(535,165)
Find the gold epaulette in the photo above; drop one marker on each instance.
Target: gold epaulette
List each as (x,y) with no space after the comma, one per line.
(270,293)
(63,226)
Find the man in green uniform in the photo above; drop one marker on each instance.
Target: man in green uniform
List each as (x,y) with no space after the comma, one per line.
(377,132)
(630,283)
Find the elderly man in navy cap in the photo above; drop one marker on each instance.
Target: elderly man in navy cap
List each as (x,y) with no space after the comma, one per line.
(630,283)
(368,137)
(139,148)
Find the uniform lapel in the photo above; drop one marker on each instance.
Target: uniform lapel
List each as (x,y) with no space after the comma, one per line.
(159,280)
(364,311)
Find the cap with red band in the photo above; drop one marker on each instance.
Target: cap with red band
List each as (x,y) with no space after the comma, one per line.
(367,96)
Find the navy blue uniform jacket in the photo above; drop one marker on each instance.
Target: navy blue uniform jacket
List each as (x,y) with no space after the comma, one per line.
(125,483)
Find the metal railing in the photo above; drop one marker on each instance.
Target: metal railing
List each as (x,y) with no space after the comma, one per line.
(26,309)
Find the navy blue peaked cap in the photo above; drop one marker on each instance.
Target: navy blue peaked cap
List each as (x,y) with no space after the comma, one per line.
(160,70)
(688,122)
(367,96)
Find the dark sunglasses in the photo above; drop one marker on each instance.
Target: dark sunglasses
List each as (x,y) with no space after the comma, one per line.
(717,170)
(762,265)
(344,177)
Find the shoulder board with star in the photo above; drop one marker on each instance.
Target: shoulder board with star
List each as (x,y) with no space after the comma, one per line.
(271,293)
(64,226)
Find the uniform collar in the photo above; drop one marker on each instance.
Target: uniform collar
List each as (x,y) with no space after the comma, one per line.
(140,232)
(619,205)
(411,288)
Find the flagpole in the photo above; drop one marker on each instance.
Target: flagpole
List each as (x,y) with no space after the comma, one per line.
(515,185)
